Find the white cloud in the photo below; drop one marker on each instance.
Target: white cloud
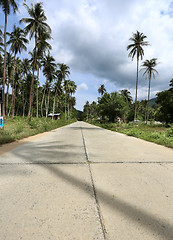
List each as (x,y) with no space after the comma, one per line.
(91,36)
(82,86)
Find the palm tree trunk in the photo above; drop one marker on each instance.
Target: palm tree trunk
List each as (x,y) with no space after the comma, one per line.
(37,89)
(5,50)
(7,94)
(148,99)
(65,104)
(47,105)
(12,101)
(54,103)
(23,104)
(32,81)
(43,100)
(136,87)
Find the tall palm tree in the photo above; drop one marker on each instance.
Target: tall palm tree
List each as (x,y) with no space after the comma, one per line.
(149,71)
(58,90)
(49,71)
(17,41)
(138,41)
(72,90)
(36,26)
(102,89)
(9,74)
(6,6)
(63,73)
(43,46)
(26,70)
(128,99)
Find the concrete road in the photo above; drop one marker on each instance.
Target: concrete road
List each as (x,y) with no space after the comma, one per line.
(84,182)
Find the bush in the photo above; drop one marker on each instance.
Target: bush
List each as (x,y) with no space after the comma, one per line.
(5,137)
(170,131)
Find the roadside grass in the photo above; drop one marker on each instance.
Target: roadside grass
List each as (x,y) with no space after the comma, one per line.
(19,128)
(153,133)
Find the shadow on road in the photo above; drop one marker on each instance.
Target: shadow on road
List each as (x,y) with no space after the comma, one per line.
(145,220)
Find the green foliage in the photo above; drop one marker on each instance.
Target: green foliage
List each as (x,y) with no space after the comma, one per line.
(170,131)
(5,137)
(153,133)
(19,128)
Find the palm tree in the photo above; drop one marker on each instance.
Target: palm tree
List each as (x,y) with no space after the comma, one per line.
(58,90)
(43,46)
(26,70)
(64,72)
(49,71)
(72,90)
(102,89)
(138,41)
(9,74)
(149,71)
(128,99)
(36,26)
(67,91)
(6,6)
(17,41)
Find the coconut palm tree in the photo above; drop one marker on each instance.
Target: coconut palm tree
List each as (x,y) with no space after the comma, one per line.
(128,99)
(72,90)
(149,71)
(49,71)
(136,49)
(9,74)
(36,26)
(17,41)
(26,70)
(64,72)
(57,90)
(67,91)
(6,6)
(102,89)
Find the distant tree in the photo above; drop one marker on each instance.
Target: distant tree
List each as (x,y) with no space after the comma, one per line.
(86,110)
(102,89)
(149,71)
(136,49)
(111,106)
(128,99)
(164,100)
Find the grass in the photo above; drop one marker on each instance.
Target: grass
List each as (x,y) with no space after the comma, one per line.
(19,128)
(152,133)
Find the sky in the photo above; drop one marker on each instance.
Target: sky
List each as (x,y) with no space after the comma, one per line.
(91,37)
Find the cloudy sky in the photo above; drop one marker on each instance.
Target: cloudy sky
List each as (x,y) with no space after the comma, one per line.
(91,36)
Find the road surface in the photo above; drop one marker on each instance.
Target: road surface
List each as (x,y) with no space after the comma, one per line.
(81,182)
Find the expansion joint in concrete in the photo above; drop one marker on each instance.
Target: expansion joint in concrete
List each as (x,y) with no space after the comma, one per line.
(105,234)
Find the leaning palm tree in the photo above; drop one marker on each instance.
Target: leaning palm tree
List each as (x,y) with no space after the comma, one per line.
(6,6)
(17,41)
(138,41)
(102,89)
(36,26)
(149,71)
